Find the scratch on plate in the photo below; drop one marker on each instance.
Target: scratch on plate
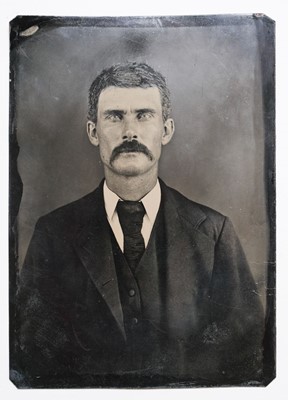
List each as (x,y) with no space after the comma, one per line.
(29,31)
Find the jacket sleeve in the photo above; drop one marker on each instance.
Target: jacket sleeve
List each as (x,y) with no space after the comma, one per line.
(236,310)
(42,326)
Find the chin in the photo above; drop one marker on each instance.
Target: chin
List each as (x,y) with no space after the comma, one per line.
(130,171)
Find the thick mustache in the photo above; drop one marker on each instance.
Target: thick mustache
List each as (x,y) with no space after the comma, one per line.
(131,147)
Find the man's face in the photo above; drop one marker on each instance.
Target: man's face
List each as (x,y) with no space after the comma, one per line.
(130,130)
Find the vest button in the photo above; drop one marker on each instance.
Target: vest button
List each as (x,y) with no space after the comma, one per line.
(131,292)
(135,320)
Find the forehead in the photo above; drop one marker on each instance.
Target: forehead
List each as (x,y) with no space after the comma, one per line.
(135,98)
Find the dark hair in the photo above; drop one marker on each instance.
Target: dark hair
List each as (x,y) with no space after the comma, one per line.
(128,75)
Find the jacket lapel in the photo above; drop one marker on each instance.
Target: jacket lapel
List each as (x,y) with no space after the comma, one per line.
(189,263)
(93,246)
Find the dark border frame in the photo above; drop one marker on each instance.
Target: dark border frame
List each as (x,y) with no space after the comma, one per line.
(265,28)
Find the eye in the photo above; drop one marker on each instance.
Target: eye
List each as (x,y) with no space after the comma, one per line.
(114,117)
(144,116)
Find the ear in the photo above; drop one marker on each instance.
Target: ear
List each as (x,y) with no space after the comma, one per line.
(169,128)
(92,133)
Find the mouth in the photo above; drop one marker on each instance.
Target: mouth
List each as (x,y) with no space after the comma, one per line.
(130,151)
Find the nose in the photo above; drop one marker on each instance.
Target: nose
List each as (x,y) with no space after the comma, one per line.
(129,131)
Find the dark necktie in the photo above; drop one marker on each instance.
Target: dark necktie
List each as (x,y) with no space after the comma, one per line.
(130,214)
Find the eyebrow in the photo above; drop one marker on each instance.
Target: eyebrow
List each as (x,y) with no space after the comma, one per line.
(145,110)
(110,112)
(122,112)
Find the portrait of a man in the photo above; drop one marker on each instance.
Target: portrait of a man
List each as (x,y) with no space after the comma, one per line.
(136,284)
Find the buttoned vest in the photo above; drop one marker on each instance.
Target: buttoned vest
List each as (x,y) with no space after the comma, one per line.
(143,299)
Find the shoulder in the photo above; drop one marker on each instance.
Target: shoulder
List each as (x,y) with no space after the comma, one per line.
(71,216)
(199,216)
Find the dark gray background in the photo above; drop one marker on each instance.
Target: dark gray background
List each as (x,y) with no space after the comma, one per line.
(217,154)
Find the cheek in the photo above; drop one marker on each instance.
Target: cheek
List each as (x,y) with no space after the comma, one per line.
(106,141)
(156,139)
(153,132)
(106,148)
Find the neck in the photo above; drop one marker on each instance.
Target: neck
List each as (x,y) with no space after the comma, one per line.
(131,188)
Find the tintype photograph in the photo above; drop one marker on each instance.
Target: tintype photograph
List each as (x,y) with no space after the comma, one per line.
(142,201)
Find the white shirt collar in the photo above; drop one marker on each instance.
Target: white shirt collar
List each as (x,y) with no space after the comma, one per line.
(110,199)
(151,201)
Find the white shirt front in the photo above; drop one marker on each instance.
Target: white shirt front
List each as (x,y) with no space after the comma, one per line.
(151,203)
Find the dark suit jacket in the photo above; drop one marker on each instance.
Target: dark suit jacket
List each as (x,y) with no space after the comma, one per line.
(71,330)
